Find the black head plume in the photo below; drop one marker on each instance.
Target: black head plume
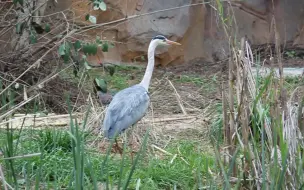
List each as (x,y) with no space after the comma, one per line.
(160,37)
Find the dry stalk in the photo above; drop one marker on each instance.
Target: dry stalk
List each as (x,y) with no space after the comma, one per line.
(12,110)
(248,62)
(5,184)
(178,98)
(22,156)
(225,121)
(36,63)
(231,112)
(161,150)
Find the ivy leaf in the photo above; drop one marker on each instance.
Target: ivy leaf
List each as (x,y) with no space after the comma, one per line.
(96,7)
(61,49)
(94,49)
(47,28)
(66,58)
(77,45)
(110,69)
(105,47)
(64,51)
(101,84)
(98,40)
(90,49)
(18,1)
(87,66)
(87,17)
(102,6)
(67,48)
(33,38)
(19,27)
(92,19)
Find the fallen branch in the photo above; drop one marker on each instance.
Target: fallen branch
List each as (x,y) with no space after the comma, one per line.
(45,121)
(159,120)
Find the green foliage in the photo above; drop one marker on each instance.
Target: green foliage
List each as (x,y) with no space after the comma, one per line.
(65,51)
(18,1)
(119,81)
(47,28)
(101,83)
(19,27)
(92,19)
(89,48)
(291,54)
(104,44)
(77,45)
(33,37)
(87,17)
(99,5)
(56,165)
(87,66)
(51,140)
(105,47)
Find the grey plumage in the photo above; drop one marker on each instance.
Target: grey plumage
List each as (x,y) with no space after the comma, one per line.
(130,105)
(127,107)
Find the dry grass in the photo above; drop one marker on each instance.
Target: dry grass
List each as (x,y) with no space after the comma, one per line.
(165,118)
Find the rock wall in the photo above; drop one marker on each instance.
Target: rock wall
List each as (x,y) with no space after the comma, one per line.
(197,27)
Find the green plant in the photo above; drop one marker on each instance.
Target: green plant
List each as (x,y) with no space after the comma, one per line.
(257,121)
(291,54)
(69,50)
(64,160)
(51,140)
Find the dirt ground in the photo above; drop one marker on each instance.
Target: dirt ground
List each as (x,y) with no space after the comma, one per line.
(179,109)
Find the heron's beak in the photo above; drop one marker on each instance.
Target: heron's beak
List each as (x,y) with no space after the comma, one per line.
(172,43)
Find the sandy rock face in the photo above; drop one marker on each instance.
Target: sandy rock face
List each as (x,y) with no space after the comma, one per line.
(197,27)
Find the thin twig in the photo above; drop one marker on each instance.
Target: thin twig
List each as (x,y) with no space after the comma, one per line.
(178,98)
(5,184)
(161,150)
(18,106)
(22,156)
(37,62)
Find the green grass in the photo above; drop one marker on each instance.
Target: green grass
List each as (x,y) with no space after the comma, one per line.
(292,82)
(206,84)
(56,165)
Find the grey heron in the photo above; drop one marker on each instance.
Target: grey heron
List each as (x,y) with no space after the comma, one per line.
(129,105)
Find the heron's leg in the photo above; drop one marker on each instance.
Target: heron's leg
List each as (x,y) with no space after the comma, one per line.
(118,148)
(132,152)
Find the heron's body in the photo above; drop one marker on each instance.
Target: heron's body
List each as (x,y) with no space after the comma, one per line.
(130,105)
(127,107)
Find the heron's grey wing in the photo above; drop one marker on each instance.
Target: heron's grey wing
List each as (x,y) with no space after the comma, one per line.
(127,107)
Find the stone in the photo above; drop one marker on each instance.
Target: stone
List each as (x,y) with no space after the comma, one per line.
(198,28)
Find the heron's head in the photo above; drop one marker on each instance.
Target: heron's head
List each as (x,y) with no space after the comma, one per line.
(162,40)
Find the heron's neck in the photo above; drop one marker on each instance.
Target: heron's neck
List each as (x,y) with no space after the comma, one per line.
(149,70)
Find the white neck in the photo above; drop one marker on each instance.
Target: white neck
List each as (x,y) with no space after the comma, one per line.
(149,70)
